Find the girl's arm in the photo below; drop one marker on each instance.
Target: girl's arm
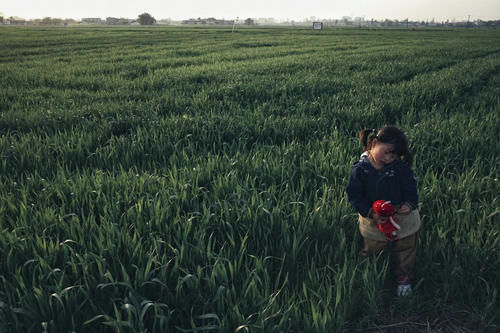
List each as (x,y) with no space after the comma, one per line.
(409,188)
(356,195)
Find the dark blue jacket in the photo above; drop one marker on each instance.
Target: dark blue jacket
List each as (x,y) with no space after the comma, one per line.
(395,182)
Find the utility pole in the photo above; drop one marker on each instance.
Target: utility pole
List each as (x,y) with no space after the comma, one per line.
(468,19)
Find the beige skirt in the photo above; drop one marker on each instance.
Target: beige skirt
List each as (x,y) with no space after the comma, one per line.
(409,223)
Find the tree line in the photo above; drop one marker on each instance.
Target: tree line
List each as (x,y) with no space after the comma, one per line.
(142,19)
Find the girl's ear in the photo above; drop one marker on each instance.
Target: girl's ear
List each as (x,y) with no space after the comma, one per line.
(374,142)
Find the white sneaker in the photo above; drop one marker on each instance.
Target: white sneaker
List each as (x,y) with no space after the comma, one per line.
(404,290)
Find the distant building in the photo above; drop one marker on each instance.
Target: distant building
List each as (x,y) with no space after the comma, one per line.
(93,20)
(208,21)
(17,21)
(190,21)
(224,22)
(118,21)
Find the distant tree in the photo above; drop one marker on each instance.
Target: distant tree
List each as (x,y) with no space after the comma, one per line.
(46,21)
(146,19)
(388,23)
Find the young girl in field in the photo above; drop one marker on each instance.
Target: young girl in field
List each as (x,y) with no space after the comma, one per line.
(384,173)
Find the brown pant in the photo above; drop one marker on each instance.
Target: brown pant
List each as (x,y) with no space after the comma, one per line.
(403,253)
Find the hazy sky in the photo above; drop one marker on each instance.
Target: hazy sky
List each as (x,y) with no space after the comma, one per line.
(279,9)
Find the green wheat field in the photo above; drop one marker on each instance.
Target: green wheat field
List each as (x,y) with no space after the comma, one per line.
(193,179)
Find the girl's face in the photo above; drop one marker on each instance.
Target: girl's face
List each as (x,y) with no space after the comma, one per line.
(382,153)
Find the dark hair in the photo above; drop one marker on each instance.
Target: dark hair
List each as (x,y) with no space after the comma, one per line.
(389,135)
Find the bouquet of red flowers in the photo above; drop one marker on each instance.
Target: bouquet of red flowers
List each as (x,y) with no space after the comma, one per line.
(390,226)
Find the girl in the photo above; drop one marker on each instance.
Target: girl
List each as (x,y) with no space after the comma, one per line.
(384,173)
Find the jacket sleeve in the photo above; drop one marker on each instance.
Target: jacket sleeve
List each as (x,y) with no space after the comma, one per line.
(409,187)
(356,194)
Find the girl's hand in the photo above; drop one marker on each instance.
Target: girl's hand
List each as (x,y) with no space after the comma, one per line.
(405,209)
